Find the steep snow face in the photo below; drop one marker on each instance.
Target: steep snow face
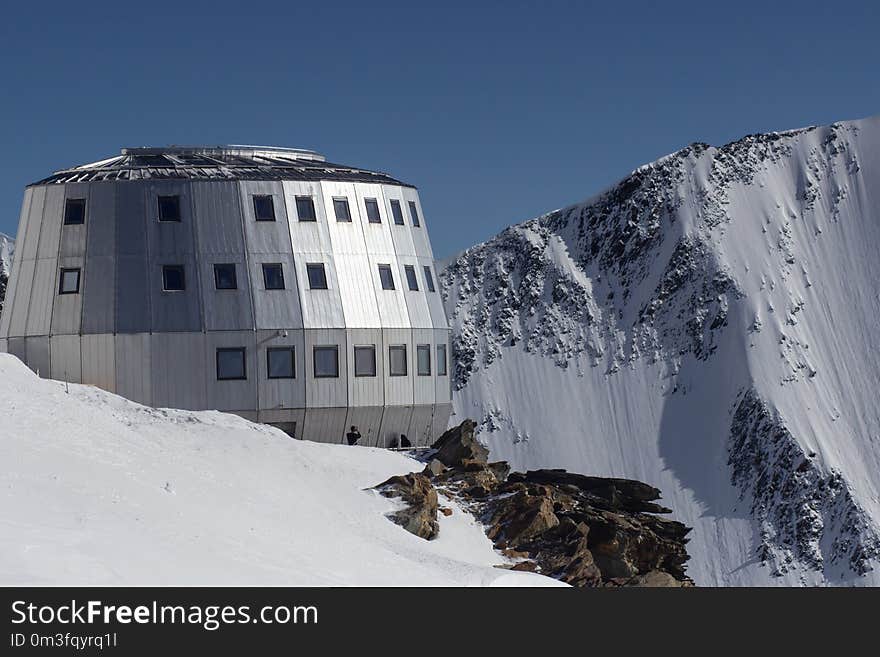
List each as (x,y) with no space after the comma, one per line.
(7,248)
(99,490)
(708,326)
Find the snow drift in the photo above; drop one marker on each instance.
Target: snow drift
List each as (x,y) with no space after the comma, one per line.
(98,490)
(707,326)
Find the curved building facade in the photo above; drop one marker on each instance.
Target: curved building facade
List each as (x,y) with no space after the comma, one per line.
(265,282)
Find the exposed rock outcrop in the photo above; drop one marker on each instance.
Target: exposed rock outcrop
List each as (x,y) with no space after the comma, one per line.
(419,517)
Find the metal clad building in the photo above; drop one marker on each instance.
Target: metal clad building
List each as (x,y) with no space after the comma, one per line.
(265,282)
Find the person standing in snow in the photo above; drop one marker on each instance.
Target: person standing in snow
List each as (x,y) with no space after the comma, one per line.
(353,436)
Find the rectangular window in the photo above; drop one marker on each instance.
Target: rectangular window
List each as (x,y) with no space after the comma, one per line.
(411,281)
(231,364)
(317,276)
(169,208)
(224,277)
(326,362)
(273,276)
(441,360)
(69,281)
(74,211)
(365,361)
(396,212)
(280,363)
(373,215)
(423,359)
(341,209)
(386,276)
(305,208)
(397,360)
(173,278)
(264,208)
(414,214)
(429,279)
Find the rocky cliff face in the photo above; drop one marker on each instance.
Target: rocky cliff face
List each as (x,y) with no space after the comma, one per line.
(706,324)
(7,248)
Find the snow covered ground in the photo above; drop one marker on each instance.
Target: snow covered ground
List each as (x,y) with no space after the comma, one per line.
(97,490)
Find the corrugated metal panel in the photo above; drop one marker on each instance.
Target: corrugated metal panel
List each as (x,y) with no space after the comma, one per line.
(398,389)
(67,308)
(326,392)
(395,421)
(178,310)
(306,236)
(50,231)
(14,274)
(420,239)
(356,290)
(37,351)
(231,395)
(423,385)
(421,425)
(368,420)
(400,235)
(324,425)
(178,370)
(42,295)
(390,303)
(99,361)
(226,309)
(218,217)
(26,248)
(377,237)
(433,299)
(98,294)
(443,384)
(23,286)
(281,393)
(366,390)
(133,296)
(65,358)
(416,302)
(133,369)
(265,236)
(101,234)
(320,308)
(275,309)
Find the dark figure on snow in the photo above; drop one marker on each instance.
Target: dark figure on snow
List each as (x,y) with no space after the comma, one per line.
(353,436)
(404,441)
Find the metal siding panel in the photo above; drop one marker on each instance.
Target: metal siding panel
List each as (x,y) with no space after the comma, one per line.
(133,369)
(368,420)
(442,416)
(18,348)
(265,236)
(325,425)
(398,389)
(26,247)
(395,421)
(99,361)
(4,345)
(366,390)
(178,370)
(433,299)
(218,220)
(14,274)
(400,235)
(42,296)
(101,235)
(320,308)
(231,395)
(391,304)
(67,308)
(168,238)
(326,392)
(423,386)
(37,351)
(178,310)
(356,291)
(421,426)
(275,309)
(443,384)
(228,310)
(65,358)
(130,219)
(132,294)
(24,285)
(99,295)
(276,394)
(73,237)
(50,231)
(306,236)
(421,240)
(416,303)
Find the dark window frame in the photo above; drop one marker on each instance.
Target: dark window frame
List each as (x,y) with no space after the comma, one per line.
(68,270)
(372,203)
(444,360)
(412,283)
(414,214)
(162,214)
(166,268)
(243,352)
(256,199)
(313,266)
(386,268)
(421,349)
(343,201)
(69,204)
(397,347)
(311,201)
(429,278)
(322,347)
(273,265)
(397,213)
(372,349)
(218,265)
(290,349)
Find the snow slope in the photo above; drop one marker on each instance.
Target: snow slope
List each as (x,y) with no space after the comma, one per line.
(98,490)
(709,326)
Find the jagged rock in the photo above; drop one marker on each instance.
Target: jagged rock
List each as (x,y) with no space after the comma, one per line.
(459,444)
(655,579)
(433,468)
(420,515)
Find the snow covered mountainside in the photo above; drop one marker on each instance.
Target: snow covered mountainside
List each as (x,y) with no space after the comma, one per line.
(708,326)
(98,490)
(7,249)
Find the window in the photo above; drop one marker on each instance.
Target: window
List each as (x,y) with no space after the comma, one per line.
(280,363)
(341,209)
(231,364)
(169,208)
(414,214)
(173,278)
(411,281)
(373,215)
(441,360)
(397,360)
(317,276)
(386,276)
(264,208)
(423,359)
(224,277)
(365,360)
(429,280)
(396,212)
(326,362)
(74,211)
(305,208)
(69,282)
(273,276)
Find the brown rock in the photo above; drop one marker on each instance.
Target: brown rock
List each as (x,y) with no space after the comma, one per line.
(420,515)
(458,444)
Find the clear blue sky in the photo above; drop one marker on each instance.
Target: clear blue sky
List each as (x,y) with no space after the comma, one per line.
(497,111)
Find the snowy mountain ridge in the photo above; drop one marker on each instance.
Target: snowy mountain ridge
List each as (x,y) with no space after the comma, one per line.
(706,326)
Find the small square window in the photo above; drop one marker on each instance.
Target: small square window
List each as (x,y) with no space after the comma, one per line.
(386,276)
(441,360)
(280,363)
(423,359)
(414,213)
(397,360)
(396,212)
(224,277)
(173,278)
(429,279)
(264,208)
(69,281)
(169,208)
(326,362)
(231,364)
(365,360)
(373,215)
(317,276)
(273,276)
(341,209)
(74,211)
(305,208)
(411,281)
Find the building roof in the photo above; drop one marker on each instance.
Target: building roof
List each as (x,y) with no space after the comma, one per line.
(230,162)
